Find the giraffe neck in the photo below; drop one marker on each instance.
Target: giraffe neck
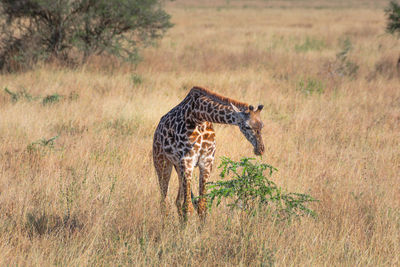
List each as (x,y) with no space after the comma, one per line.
(212,107)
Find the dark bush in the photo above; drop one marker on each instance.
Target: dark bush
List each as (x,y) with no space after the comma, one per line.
(393,15)
(73,30)
(393,23)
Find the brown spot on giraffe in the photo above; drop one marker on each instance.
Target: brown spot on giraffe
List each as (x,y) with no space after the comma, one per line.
(196,147)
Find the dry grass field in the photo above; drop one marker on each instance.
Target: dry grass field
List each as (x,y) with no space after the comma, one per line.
(325,71)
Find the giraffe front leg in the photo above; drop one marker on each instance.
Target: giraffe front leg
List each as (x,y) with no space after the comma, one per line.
(205,170)
(179,197)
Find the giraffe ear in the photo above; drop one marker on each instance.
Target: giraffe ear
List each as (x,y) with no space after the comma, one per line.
(235,108)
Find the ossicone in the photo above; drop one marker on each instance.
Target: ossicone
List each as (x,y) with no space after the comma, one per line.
(235,108)
(260,107)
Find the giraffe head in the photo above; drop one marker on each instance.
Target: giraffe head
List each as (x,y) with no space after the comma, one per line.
(250,124)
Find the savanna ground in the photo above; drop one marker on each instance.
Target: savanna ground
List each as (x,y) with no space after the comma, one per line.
(90,197)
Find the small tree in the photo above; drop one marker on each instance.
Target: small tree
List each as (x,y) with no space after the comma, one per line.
(34,30)
(251,191)
(393,24)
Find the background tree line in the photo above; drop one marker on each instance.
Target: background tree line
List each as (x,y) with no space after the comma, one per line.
(73,30)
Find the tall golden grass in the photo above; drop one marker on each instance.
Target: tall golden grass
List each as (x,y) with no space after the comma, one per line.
(91,197)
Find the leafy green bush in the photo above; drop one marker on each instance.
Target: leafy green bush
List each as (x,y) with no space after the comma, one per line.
(346,67)
(44,142)
(136,79)
(393,24)
(72,30)
(251,191)
(50,99)
(393,15)
(23,94)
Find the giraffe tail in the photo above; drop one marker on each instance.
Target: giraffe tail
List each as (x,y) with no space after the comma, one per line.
(195,200)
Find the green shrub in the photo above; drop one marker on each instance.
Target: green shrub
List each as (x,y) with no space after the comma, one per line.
(393,16)
(23,94)
(393,24)
(346,67)
(50,99)
(251,191)
(43,143)
(69,30)
(136,79)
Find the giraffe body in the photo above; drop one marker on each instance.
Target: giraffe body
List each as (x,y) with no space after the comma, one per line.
(185,139)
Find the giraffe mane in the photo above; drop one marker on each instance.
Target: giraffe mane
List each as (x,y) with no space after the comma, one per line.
(219,98)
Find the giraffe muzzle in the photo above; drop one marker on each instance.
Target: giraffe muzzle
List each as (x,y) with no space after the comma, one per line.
(258,152)
(259,148)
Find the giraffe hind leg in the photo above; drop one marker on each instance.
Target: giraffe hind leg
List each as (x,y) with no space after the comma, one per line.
(184,198)
(163,168)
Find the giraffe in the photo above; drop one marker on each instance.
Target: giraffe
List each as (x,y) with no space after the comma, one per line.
(185,139)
